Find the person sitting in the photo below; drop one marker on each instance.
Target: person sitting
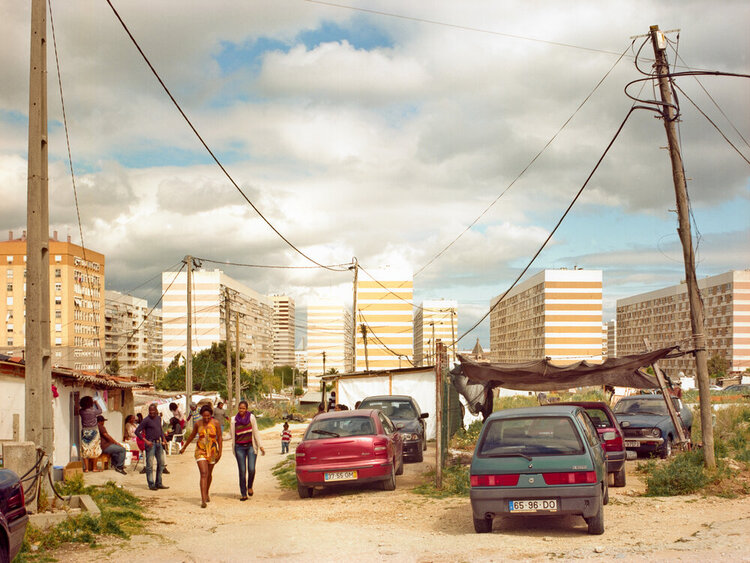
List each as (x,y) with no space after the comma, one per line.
(109,446)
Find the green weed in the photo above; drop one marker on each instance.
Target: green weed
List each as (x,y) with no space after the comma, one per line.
(285,472)
(455,483)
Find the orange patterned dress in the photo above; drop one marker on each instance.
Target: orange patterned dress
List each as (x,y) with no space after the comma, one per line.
(207,446)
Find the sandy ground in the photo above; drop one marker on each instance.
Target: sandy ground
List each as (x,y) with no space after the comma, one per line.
(373,525)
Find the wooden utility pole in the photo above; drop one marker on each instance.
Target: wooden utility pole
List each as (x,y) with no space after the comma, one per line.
(453,335)
(683,215)
(39,423)
(228,338)
(189,353)
(363,327)
(438,421)
(238,367)
(354,314)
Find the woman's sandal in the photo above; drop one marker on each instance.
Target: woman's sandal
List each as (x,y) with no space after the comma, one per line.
(243,498)
(203,504)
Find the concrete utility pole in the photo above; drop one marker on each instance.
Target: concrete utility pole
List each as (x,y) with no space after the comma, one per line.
(438,419)
(238,367)
(363,327)
(354,314)
(683,214)
(189,353)
(228,338)
(39,423)
(453,334)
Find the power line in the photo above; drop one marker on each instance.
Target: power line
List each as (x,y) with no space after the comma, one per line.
(331,267)
(205,145)
(383,344)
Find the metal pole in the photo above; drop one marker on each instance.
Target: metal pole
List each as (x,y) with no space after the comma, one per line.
(354,315)
(228,338)
(238,367)
(39,422)
(683,215)
(189,352)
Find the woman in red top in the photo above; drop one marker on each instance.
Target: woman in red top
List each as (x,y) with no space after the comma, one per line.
(246,446)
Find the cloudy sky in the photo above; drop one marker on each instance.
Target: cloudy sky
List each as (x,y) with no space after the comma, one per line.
(383,132)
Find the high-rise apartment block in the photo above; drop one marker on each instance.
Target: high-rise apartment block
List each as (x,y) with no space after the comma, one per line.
(663,316)
(384,309)
(210,291)
(436,320)
(556,314)
(329,331)
(76,302)
(131,335)
(612,339)
(283,330)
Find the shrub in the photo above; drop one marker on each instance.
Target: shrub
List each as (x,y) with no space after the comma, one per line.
(682,475)
(466,439)
(455,482)
(285,472)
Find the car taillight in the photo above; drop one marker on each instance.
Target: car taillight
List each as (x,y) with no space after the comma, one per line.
(18,500)
(615,444)
(380,447)
(299,453)
(570,477)
(508,480)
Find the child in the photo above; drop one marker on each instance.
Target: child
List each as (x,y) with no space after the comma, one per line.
(286,437)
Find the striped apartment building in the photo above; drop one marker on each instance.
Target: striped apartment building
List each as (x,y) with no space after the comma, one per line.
(132,334)
(329,330)
(664,317)
(435,320)
(283,330)
(384,308)
(209,289)
(555,314)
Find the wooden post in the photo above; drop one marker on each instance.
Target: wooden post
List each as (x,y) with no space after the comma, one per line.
(683,216)
(682,437)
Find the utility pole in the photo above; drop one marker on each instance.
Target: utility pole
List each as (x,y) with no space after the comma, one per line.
(189,354)
(683,215)
(438,422)
(453,335)
(39,423)
(228,338)
(238,367)
(363,327)
(354,314)
(434,344)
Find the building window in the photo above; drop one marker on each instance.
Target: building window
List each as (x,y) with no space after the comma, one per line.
(58,273)
(9,301)
(9,327)
(10,259)
(58,300)
(58,327)
(9,273)
(10,341)
(58,286)
(58,258)
(9,287)
(58,314)
(58,341)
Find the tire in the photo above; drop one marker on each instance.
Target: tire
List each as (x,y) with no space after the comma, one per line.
(4,550)
(390,483)
(304,492)
(424,443)
(596,522)
(482,525)
(400,466)
(619,477)
(605,496)
(419,457)
(666,450)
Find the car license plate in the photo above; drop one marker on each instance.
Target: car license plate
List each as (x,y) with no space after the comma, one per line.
(341,476)
(631,444)
(549,505)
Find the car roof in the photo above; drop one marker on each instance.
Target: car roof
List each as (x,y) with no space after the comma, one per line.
(383,397)
(546,410)
(346,414)
(652,396)
(585,404)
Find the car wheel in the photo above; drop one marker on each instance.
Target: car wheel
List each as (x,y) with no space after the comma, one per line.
(482,525)
(304,492)
(596,522)
(419,456)
(424,444)
(4,551)
(619,480)
(605,495)
(400,467)
(666,450)
(390,483)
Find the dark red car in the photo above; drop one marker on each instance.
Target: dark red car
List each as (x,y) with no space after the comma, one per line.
(13,517)
(349,447)
(610,434)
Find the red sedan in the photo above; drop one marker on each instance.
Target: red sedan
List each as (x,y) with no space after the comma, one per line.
(348,447)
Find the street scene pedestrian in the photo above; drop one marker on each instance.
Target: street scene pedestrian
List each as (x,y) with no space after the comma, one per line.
(111,447)
(150,431)
(220,415)
(90,440)
(207,449)
(286,438)
(246,445)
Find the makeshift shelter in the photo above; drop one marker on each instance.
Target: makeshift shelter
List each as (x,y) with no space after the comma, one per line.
(475,380)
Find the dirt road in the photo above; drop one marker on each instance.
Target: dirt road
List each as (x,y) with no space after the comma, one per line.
(372,525)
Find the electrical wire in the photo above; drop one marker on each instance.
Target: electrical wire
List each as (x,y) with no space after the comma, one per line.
(383,344)
(531,162)
(205,145)
(331,267)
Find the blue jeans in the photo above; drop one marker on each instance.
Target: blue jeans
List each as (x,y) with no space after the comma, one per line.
(154,452)
(117,455)
(284,447)
(246,464)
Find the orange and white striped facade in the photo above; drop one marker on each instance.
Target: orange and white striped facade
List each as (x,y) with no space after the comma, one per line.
(208,296)
(385,308)
(664,317)
(555,314)
(329,330)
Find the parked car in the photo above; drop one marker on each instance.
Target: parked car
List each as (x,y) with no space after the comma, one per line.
(345,447)
(404,411)
(13,516)
(611,436)
(738,389)
(646,423)
(541,461)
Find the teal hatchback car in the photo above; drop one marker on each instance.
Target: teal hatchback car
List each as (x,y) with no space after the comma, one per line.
(539,461)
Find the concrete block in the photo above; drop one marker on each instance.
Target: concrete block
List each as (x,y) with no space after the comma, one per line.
(19,456)
(78,505)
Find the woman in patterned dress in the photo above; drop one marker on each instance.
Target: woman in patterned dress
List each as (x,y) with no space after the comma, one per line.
(91,447)
(207,449)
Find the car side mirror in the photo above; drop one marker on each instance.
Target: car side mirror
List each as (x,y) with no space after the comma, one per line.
(424,415)
(606,436)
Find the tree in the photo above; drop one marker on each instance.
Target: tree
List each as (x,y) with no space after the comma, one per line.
(717,366)
(149,372)
(209,371)
(114,366)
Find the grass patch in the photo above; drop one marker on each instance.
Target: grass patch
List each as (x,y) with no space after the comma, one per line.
(285,473)
(121,516)
(455,482)
(515,402)
(265,422)
(466,438)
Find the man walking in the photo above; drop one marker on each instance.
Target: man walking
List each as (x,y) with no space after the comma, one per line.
(150,431)
(110,446)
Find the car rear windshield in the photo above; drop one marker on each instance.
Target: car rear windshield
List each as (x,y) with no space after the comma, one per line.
(598,417)
(340,427)
(530,436)
(641,406)
(391,408)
